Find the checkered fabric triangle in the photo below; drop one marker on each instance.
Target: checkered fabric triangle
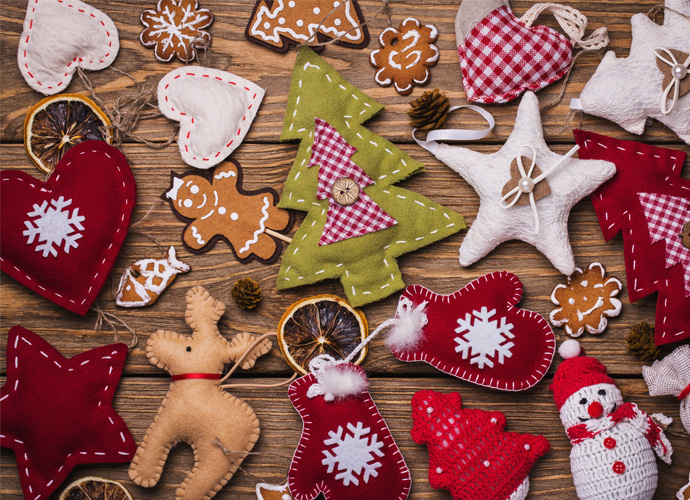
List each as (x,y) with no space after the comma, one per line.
(501,58)
(333,153)
(666,216)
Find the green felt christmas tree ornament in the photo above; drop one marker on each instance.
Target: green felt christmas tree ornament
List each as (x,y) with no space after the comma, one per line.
(357,221)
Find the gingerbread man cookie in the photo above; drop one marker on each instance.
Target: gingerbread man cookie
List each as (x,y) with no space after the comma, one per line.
(405,55)
(685,235)
(586,300)
(278,24)
(216,207)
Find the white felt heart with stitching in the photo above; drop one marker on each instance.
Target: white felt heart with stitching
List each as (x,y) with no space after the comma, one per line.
(59,36)
(214,108)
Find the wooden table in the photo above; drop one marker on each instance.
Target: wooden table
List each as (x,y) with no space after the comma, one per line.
(267,163)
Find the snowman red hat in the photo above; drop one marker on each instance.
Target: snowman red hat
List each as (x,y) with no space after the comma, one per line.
(613,442)
(576,372)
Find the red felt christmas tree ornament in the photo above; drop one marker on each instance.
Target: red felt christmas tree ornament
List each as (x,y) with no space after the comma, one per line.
(346,450)
(470,453)
(475,334)
(649,203)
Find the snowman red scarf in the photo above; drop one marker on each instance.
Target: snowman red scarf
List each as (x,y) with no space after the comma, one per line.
(628,412)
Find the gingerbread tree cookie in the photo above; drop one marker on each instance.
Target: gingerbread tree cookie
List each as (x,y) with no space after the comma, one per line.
(278,24)
(586,301)
(405,55)
(176,28)
(216,207)
(356,242)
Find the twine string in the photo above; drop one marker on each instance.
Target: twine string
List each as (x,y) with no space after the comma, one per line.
(385,8)
(128,111)
(245,454)
(239,361)
(109,318)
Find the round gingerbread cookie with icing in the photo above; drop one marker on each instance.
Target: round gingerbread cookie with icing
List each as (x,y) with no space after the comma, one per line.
(405,55)
(586,300)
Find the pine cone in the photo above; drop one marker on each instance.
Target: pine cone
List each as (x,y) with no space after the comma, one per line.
(430,111)
(641,342)
(246,293)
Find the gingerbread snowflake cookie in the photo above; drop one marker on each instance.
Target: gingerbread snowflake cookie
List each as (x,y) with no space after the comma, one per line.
(586,301)
(405,55)
(176,28)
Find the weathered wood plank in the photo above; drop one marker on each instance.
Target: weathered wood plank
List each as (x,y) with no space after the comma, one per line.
(139,398)
(435,266)
(232,52)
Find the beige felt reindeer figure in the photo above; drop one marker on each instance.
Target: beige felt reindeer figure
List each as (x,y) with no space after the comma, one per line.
(196,409)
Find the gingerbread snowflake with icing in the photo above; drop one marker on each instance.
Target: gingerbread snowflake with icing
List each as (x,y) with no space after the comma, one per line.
(176,28)
(586,301)
(405,55)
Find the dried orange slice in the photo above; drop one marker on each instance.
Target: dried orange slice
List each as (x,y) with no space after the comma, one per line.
(59,122)
(323,324)
(95,488)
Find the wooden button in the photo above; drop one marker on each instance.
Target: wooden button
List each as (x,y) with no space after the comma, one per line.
(619,467)
(610,443)
(345,191)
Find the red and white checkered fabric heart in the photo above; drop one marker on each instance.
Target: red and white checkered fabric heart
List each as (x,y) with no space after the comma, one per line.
(666,216)
(333,153)
(501,58)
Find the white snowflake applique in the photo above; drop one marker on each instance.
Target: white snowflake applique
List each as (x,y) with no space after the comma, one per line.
(353,453)
(54,225)
(485,339)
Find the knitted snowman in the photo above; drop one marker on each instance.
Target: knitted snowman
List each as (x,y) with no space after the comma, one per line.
(613,442)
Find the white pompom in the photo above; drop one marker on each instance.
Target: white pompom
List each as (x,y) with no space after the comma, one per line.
(570,349)
(407,329)
(339,381)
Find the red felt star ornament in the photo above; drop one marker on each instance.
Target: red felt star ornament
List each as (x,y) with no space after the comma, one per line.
(58,413)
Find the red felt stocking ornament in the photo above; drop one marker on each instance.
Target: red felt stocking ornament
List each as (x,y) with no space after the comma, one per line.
(475,334)
(346,450)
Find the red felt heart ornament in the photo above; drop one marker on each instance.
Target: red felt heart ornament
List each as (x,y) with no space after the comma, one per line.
(501,58)
(60,238)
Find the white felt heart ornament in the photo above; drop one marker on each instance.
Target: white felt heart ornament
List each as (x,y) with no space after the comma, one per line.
(60,36)
(215,110)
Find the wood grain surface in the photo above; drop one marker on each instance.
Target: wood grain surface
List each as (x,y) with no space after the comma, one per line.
(266,163)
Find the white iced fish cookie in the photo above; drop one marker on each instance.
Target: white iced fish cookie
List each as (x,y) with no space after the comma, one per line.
(60,36)
(215,110)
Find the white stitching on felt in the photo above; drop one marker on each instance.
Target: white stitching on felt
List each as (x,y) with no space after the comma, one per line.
(14,389)
(632,249)
(511,303)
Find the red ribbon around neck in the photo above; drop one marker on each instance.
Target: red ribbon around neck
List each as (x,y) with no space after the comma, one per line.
(684,394)
(201,376)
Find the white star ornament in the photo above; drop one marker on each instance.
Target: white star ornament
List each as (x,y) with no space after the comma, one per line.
(653,81)
(526,190)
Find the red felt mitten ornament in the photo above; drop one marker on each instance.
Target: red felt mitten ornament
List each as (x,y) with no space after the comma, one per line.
(57,412)
(346,451)
(649,203)
(470,453)
(60,238)
(475,334)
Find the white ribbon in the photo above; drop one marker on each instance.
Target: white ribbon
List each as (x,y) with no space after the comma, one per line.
(434,136)
(681,68)
(526,184)
(671,377)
